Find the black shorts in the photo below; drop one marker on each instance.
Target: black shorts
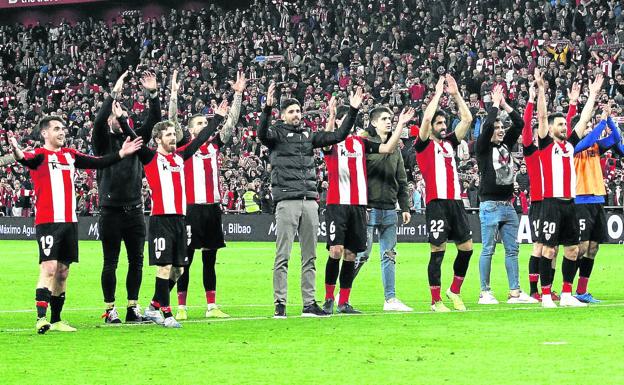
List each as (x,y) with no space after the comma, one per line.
(204,226)
(346,226)
(58,242)
(592,221)
(535,217)
(447,221)
(559,225)
(167,240)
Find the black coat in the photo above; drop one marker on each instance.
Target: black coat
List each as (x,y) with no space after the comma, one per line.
(293,170)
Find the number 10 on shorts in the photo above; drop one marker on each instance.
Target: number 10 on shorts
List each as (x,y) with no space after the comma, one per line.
(159,246)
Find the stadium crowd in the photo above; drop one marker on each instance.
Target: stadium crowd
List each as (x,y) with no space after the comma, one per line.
(394,49)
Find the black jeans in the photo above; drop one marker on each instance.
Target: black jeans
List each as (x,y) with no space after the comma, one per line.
(117,224)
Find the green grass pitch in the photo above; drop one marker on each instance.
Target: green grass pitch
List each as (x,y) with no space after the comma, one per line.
(502,344)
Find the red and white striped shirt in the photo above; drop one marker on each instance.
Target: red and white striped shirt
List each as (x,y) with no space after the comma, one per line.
(346,171)
(437,165)
(559,175)
(165,175)
(201,175)
(53,178)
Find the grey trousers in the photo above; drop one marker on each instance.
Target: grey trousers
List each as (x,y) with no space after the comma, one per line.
(292,216)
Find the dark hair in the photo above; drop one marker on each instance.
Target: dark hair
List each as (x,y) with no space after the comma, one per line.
(341,112)
(553,116)
(377,111)
(289,102)
(438,113)
(160,127)
(44,122)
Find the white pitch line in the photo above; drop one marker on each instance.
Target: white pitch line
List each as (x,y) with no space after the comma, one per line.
(369,314)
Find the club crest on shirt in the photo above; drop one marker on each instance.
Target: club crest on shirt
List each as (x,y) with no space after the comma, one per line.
(47,252)
(435,234)
(157,253)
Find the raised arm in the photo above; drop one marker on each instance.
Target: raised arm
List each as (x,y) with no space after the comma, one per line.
(191,148)
(614,139)
(129,147)
(511,137)
(330,125)
(172,113)
(148,81)
(31,162)
(391,145)
(324,138)
(527,130)
(100,136)
(487,129)
(267,136)
(232,118)
(432,107)
(588,109)
(573,95)
(465,115)
(122,118)
(542,113)
(591,138)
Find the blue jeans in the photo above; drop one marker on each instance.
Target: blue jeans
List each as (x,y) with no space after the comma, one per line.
(498,217)
(385,222)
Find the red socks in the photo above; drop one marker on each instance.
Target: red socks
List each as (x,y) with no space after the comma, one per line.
(210,296)
(344,296)
(457,284)
(546,290)
(581,287)
(567,288)
(182,298)
(435,294)
(329,291)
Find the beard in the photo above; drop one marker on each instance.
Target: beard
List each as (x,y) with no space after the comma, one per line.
(437,134)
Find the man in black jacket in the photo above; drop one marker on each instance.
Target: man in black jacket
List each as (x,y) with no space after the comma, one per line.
(496,211)
(121,207)
(293,179)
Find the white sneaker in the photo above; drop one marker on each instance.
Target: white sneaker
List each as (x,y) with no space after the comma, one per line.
(394,304)
(547,302)
(518,296)
(487,298)
(171,322)
(154,315)
(567,300)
